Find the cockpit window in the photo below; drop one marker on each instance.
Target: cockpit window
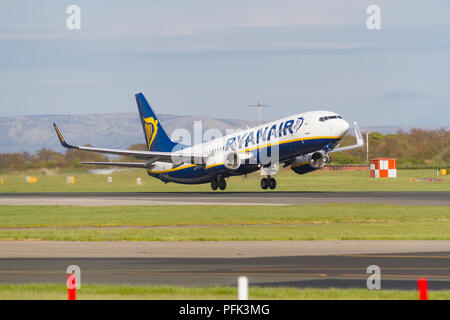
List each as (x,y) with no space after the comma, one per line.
(329,117)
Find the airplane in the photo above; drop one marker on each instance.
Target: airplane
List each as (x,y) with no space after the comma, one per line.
(302,141)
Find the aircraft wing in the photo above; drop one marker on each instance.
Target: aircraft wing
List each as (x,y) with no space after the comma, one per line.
(359,140)
(177,157)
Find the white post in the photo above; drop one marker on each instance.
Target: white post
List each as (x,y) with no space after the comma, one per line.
(242,288)
(367,147)
(367,152)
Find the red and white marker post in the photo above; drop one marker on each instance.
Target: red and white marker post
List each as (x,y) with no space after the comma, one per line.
(423,288)
(71,287)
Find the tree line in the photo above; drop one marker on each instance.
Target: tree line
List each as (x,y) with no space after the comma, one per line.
(417,148)
(49,159)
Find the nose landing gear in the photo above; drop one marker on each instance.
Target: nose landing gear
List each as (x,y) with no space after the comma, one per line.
(268,183)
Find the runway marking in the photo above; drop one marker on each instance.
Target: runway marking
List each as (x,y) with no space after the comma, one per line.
(340,269)
(393,256)
(202,273)
(397,275)
(233,271)
(199,273)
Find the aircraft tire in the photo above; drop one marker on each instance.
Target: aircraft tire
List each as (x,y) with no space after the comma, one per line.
(272,183)
(222,184)
(264,183)
(214,184)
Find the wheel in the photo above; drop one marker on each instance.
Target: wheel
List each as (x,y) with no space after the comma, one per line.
(222,184)
(264,183)
(272,183)
(214,184)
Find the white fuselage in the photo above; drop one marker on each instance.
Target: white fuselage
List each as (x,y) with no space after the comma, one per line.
(290,136)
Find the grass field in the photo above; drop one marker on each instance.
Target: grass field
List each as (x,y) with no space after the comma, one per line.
(103,292)
(215,223)
(287,181)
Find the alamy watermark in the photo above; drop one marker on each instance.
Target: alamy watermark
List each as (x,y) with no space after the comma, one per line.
(373,21)
(73,22)
(374,281)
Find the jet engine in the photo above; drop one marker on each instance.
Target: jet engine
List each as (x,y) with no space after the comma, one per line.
(231,160)
(309,162)
(317,160)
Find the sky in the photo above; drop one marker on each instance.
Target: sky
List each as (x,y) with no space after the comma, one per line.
(212,58)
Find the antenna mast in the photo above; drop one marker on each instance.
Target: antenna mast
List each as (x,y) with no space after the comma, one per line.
(259,106)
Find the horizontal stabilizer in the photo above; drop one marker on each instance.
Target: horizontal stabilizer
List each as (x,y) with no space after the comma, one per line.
(141,165)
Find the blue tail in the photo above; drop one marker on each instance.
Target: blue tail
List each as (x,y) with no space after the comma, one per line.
(155,136)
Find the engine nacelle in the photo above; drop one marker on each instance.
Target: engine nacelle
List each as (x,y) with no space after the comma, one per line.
(231,160)
(309,162)
(317,160)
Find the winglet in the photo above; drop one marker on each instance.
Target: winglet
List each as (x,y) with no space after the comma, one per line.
(359,138)
(61,138)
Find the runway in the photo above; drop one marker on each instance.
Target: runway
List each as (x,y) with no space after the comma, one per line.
(224,198)
(398,271)
(317,264)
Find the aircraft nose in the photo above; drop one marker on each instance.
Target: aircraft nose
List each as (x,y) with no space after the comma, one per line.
(342,127)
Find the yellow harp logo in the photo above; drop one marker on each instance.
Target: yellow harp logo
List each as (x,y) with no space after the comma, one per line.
(151,128)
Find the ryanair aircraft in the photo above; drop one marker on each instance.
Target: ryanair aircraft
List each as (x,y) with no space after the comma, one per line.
(302,141)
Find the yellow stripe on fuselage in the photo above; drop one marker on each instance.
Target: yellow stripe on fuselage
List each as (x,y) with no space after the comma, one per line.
(174,169)
(214,165)
(287,141)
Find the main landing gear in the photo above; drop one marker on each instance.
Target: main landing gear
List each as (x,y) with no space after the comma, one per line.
(218,182)
(268,182)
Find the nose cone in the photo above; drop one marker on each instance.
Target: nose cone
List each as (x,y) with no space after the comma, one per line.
(342,127)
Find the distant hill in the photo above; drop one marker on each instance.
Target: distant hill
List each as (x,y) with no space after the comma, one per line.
(114,130)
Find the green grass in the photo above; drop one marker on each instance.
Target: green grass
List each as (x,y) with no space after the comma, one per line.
(287,181)
(231,223)
(60,216)
(406,231)
(103,292)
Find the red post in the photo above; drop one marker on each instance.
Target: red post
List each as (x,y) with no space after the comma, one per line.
(423,289)
(71,287)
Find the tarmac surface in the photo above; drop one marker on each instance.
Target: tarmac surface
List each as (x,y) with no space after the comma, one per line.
(319,264)
(438,198)
(343,271)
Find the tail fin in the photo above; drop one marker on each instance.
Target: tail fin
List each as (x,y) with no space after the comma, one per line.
(155,136)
